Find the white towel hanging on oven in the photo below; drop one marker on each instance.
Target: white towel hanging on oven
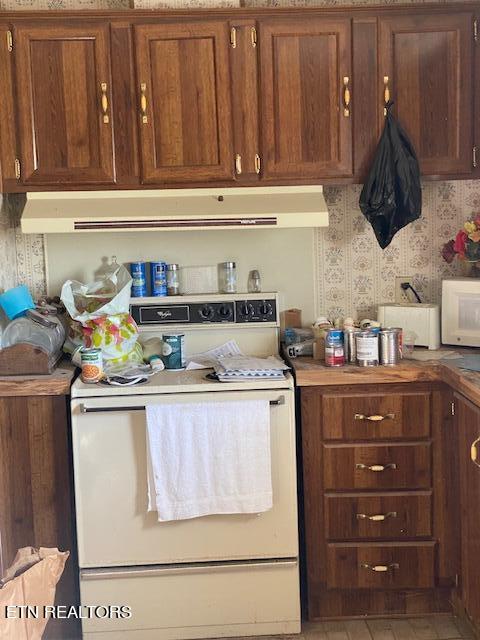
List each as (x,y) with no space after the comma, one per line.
(208,458)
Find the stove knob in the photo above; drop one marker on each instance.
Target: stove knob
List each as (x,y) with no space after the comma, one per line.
(265,309)
(246,310)
(225,312)
(207,312)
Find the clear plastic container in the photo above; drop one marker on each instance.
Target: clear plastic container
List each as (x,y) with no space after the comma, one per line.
(48,335)
(228,280)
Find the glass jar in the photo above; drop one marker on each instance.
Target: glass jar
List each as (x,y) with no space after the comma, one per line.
(228,273)
(254,282)
(173,280)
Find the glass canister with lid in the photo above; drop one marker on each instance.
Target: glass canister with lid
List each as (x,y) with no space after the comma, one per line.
(228,277)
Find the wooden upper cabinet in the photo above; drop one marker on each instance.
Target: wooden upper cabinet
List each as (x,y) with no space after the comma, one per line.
(305,71)
(426,61)
(64,106)
(184,102)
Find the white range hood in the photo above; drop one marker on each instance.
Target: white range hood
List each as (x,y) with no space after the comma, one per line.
(175,209)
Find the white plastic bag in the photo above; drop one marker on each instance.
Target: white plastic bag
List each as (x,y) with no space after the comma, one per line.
(102,310)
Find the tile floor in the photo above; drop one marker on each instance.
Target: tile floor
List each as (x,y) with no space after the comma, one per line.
(441,627)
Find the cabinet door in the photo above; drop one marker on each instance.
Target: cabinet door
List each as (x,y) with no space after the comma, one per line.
(426,62)
(64,106)
(468,427)
(184,102)
(306,128)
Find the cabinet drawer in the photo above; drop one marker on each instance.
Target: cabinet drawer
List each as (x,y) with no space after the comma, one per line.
(392,466)
(376,417)
(372,515)
(383,566)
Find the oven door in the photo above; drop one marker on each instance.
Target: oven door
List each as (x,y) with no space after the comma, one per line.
(113,525)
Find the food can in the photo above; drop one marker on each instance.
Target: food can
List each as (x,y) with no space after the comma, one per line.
(349,336)
(366,344)
(173,352)
(92,365)
(390,346)
(158,278)
(139,279)
(334,348)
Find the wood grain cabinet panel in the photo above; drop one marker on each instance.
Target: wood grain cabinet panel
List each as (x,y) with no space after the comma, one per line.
(382,565)
(376,416)
(305,131)
(392,466)
(360,516)
(184,102)
(63,84)
(467,420)
(428,62)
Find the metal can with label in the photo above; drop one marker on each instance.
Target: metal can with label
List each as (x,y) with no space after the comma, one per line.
(173,352)
(334,348)
(92,365)
(366,343)
(158,278)
(349,336)
(139,279)
(390,346)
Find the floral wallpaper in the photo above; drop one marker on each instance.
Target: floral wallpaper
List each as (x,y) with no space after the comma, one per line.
(352,273)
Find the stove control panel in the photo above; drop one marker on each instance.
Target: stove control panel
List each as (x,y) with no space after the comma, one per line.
(226,311)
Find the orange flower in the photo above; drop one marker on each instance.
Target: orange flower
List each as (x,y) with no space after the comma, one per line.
(475,236)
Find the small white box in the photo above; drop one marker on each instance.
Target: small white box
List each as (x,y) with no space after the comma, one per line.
(420,318)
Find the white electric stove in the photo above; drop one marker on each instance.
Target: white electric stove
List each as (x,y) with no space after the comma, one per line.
(225,575)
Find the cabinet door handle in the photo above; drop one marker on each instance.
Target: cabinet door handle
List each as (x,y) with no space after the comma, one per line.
(104,102)
(474,452)
(374,418)
(376,467)
(380,568)
(238,164)
(386,93)
(143,102)
(347,96)
(379,517)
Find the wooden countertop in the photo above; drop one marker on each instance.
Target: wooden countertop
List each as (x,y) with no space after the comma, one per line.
(312,373)
(56,384)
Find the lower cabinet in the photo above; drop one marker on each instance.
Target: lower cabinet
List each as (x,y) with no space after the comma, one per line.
(467,418)
(380,499)
(36,506)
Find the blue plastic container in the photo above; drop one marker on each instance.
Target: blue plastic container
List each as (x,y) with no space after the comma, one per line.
(139,279)
(16,302)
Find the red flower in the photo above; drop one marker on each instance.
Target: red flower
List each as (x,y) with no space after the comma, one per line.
(460,241)
(477,220)
(448,252)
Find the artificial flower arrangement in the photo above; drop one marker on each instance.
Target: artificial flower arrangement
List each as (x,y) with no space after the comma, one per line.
(466,245)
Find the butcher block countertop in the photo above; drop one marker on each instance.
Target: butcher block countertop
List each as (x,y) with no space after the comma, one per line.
(312,373)
(56,384)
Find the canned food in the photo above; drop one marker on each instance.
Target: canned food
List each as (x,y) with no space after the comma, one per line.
(173,352)
(334,348)
(158,278)
(349,345)
(366,343)
(390,346)
(139,279)
(92,365)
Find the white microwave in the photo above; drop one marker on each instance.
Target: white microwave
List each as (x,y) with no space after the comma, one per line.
(461,311)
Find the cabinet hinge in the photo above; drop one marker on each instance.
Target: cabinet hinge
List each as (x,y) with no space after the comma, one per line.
(253,36)
(474,157)
(9,41)
(452,408)
(475,30)
(233,38)
(258,163)
(18,169)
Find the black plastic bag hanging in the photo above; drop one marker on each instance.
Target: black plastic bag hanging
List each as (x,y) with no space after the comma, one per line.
(391,197)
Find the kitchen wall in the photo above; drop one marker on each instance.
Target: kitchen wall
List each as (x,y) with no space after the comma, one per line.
(351,274)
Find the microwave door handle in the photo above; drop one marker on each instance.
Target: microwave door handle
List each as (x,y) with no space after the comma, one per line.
(84,409)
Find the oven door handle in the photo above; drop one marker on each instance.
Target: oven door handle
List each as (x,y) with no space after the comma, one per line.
(84,409)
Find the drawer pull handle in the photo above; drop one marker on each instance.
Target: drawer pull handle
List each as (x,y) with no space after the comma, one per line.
(380,568)
(375,418)
(376,467)
(378,517)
